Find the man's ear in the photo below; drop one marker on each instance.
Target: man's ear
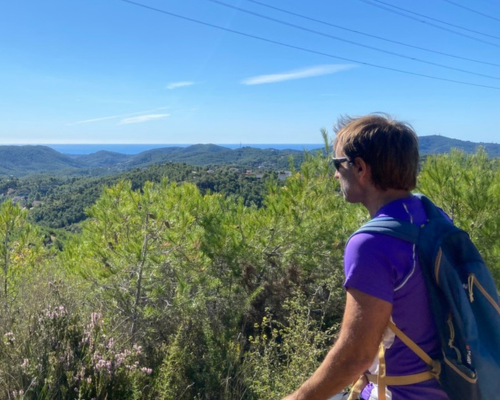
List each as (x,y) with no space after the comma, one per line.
(362,169)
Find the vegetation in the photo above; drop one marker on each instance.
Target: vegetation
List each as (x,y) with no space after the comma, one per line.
(21,161)
(60,202)
(171,289)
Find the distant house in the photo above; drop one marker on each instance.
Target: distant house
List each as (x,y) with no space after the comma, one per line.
(282,175)
(19,200)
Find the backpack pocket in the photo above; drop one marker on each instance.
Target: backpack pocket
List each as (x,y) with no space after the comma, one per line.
(459,381)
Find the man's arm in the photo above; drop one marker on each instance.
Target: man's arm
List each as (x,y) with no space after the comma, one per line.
(363,325)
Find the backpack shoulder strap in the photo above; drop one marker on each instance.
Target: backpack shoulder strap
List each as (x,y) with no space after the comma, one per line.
(430,208)
(393,227)
(403,229)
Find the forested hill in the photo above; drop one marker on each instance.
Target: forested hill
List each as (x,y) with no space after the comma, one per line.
(436,144)
(25,160)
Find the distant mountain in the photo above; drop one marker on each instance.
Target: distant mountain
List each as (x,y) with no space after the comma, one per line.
(26,160)
(102,159)
(436,144)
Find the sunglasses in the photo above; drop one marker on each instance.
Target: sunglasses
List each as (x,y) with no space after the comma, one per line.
(337,162)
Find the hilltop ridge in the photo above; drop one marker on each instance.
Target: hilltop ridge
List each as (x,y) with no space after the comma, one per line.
(30,159)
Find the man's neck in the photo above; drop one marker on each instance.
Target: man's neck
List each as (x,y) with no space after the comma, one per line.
(379,198)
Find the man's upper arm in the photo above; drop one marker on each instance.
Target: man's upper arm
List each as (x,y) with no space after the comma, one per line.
(364,323)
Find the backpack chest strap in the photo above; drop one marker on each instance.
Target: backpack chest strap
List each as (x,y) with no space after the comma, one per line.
(382,380)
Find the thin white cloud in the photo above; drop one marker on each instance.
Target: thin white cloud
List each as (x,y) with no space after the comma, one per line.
(142,118)
(175,85)
(298,74)
(87,121)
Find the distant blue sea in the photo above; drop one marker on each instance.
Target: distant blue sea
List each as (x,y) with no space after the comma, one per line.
(138,148)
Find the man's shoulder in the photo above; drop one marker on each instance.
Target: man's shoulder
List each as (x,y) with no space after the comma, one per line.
(406,209)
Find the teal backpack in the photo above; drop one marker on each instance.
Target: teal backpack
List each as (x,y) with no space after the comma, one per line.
(464,300)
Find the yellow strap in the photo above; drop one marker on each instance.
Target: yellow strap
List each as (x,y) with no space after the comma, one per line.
(402,379)
(381,372)
(358,387)
(435,366)
(410,343)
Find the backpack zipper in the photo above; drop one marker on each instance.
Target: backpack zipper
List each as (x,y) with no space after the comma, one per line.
(474,282)
(437,265)
(470,282)
(452,338)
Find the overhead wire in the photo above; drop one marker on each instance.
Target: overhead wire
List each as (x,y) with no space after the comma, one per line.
(426,22)
(350,41)
(371,35)
(305,49)
(473,11)
(437,20)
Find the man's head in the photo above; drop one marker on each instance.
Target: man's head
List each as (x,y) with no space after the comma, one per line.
(388,146)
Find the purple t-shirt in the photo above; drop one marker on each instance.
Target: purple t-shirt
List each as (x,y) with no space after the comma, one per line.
(388,268)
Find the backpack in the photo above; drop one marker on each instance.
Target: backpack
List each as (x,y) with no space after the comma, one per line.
(465,303)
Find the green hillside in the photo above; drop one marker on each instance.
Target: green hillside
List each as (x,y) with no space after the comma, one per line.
(25,160)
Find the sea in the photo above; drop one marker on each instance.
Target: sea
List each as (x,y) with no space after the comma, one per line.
(81,149)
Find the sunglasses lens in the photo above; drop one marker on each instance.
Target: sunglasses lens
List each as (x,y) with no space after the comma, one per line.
(337,162)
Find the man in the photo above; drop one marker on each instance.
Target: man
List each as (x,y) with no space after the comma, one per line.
(376,165)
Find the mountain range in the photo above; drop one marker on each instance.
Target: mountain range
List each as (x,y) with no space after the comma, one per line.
(30,159)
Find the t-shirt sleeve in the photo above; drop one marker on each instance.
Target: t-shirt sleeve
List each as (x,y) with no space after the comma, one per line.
(368,267)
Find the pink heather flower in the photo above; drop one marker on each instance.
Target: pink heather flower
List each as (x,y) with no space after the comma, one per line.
(95,319)
(100,364)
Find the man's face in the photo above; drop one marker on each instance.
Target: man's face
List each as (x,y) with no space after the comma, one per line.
(348,179)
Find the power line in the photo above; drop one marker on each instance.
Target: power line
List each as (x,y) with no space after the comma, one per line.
(305,49)
(371,35)
(426,22)
(437,20)
(471,10)
(491,2)
(350,41)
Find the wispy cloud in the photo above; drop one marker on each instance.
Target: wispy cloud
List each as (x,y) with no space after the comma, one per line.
(88,121)
(175,85)
(142,118)
(298,74)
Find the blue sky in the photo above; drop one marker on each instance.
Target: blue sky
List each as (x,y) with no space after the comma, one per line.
(109,71)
